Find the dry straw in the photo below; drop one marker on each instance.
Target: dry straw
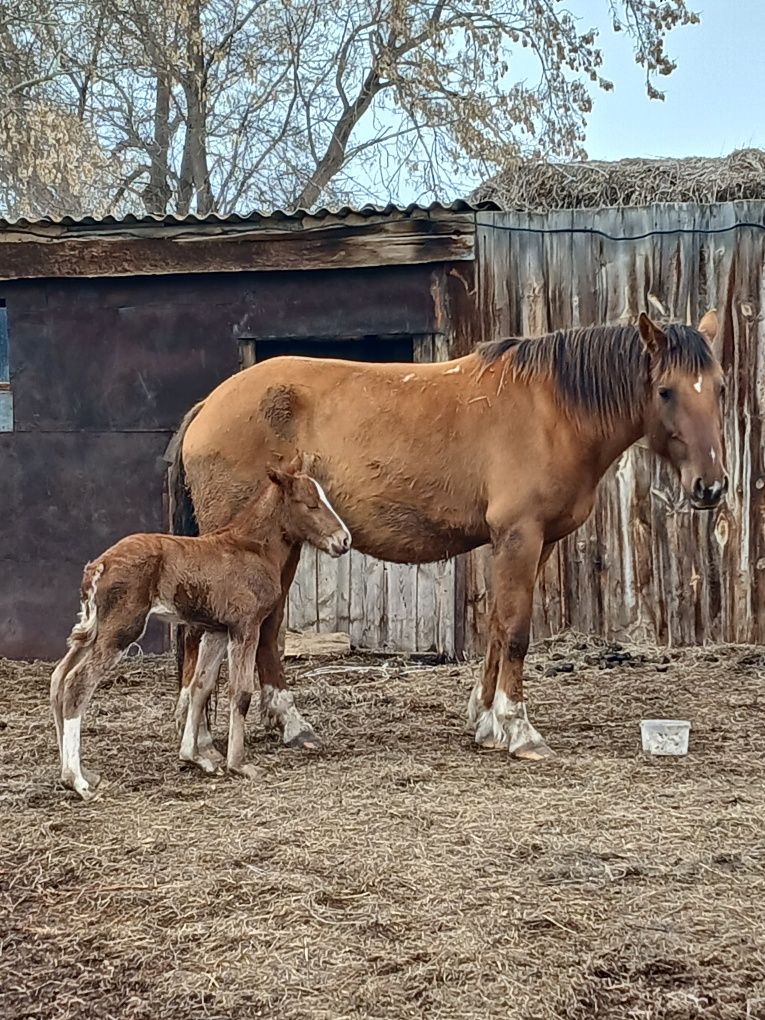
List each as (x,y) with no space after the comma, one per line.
(400,874)
(540,186)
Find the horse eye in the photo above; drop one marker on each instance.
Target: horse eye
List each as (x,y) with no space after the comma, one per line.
(665,393)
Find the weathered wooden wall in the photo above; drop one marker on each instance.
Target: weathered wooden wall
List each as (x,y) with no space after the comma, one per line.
(383,606)
(644,566)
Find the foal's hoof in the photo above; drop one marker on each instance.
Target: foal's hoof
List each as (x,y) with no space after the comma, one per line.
(91,778)
(246,771)
(209,767)
(211,752)
(533,751)
(306,740)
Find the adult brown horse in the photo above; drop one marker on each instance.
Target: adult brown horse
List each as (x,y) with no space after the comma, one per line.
(505,446)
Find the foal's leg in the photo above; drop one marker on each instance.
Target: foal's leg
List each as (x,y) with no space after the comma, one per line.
(505,723)
(277,701)
(71,697)
(482,695)
(190,638)
(196,743)
(242,651)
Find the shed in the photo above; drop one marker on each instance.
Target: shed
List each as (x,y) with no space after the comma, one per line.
(110,330)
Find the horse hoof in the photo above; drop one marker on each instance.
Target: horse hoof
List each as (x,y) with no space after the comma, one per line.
(87,793)
(489,734)
(533,752)
(306,740)
(207,766)
(246,771)
(91,778)
(490,744)
(214,755)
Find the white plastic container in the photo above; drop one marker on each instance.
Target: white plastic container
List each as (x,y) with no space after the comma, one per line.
(665,736)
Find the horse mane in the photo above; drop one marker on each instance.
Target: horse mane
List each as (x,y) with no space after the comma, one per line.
(599,372)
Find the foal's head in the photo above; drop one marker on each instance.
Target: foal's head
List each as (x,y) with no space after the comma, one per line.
(308,515)
(683,417)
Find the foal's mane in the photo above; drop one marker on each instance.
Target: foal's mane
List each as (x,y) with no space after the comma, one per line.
(599,372)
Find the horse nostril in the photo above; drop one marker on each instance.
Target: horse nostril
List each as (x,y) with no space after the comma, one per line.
(725,485)
(699,490)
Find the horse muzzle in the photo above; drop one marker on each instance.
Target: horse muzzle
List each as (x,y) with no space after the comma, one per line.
(339,544)
(708,497)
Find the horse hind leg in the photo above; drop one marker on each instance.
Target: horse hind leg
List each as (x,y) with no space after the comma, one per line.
(73,693)
(190,639)
(276,701)
(196,742)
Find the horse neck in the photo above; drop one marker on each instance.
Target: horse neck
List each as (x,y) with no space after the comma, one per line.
(262,520)
(602,445)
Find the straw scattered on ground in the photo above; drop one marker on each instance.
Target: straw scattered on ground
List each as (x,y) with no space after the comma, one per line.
(399,874)
(536,186)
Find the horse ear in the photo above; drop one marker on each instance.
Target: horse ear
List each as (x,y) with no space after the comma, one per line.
(709,327)
(654,338)
(279,477)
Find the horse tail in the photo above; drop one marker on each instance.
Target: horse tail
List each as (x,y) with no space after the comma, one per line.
(85,631)
(183,519)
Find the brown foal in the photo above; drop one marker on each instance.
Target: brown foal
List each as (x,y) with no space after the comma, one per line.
(226,582)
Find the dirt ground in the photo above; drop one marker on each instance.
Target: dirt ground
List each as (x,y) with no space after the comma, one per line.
(399,873)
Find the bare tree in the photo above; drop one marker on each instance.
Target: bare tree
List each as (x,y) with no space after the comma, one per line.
(180,105)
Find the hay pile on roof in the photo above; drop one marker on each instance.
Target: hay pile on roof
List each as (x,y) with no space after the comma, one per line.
(537,186)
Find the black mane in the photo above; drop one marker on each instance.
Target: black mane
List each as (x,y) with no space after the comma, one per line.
(600,371)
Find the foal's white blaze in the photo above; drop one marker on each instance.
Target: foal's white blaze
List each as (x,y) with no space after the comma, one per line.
(697,385)
(326,502)
(712,454)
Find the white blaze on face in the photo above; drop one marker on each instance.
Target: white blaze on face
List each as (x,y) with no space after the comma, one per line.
(712,454)
(697,385)
(326,502)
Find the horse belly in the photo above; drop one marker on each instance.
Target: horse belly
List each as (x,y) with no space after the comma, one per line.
(410,534)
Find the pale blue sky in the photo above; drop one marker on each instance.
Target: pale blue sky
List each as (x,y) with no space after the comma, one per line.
(715,99)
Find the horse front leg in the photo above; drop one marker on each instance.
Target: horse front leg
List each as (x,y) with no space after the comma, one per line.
(277,701)
(482,695)
(242,650)
(503,722)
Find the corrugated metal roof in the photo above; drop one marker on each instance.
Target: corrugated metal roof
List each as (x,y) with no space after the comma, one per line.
(132,221)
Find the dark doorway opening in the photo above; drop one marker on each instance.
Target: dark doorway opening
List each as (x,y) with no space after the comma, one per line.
(366,348)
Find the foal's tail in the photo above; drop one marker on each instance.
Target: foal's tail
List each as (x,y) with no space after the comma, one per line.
(85,631)
(183,519)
